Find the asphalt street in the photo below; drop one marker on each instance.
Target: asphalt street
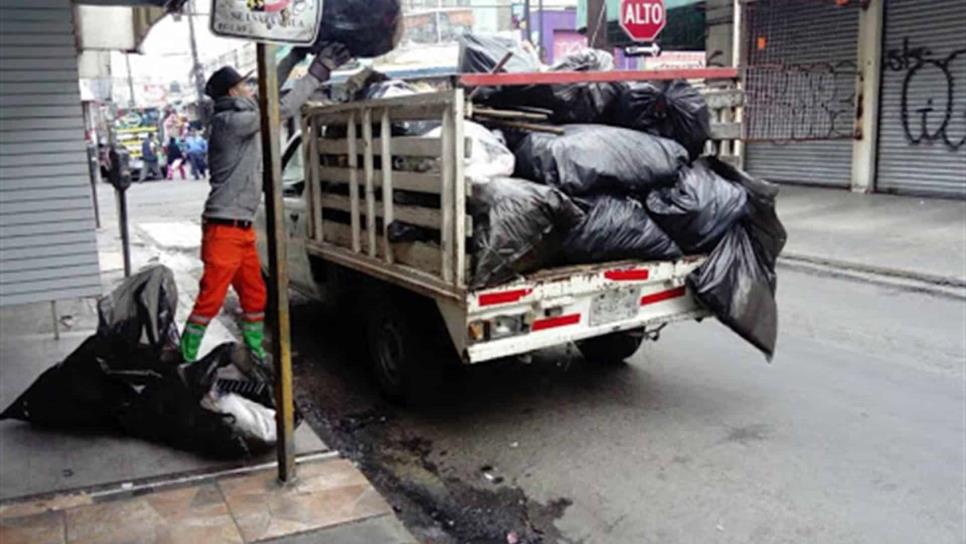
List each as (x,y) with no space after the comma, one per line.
(854,433)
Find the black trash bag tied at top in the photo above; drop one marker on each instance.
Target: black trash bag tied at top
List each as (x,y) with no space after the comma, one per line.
(368,28)
(699,208)
(599,159)
(125,377)
(617,228)
(737,282)
(518,227)
(672,109)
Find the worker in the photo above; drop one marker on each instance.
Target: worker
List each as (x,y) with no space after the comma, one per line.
(235,166)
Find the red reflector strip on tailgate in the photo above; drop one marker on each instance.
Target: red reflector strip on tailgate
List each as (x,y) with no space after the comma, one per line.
(663,295)
(503,297)
(631,274)
(551,322)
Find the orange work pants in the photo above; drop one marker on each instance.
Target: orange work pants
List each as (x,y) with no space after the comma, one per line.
(230,258)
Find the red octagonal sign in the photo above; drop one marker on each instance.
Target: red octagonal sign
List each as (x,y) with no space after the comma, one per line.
(643,20)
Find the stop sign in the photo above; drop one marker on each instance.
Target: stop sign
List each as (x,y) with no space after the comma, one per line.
(643,20)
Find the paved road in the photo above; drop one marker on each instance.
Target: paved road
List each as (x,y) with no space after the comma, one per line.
(855,433)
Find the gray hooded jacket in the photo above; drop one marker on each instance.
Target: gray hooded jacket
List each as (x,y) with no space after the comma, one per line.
(235,153)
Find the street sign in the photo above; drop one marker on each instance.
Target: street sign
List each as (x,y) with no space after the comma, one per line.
(643,20)
(274,21)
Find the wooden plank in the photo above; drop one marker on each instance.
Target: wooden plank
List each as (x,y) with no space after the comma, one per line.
(39,135)
(439,100)
(418,255)
(410,146)
(725,131)
(22,125)
(48,273)
(406,277)
(552,78)
(367,178)
(64,39)
(459,193)
(315,190)
(57,294)
(726,98)
(69,63)
(43,170)
(11,220)
(38,52)
(37,240)
(447,199)
(39,112)
(14,184)
(415,215)
(86,223)
(403,180)
(415,113)
(74,146)
(44,193)
(385,136)
(87,256)
(64,25)
(353,183)
(66,99)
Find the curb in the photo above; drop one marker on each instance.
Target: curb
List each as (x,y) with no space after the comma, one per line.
(914,281)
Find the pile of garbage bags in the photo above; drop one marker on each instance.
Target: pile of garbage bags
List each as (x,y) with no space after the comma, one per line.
(129,377)
(625,179)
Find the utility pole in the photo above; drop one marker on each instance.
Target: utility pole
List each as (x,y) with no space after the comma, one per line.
(197,73)
(130,80)
(597,24)
(277,267)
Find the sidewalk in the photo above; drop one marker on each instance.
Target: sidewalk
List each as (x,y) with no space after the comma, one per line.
(902,236)
(95,487)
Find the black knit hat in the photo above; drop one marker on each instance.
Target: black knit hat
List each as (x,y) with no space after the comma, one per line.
(221,81)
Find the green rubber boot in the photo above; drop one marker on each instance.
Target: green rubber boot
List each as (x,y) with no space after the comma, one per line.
(253,332)
(191,341)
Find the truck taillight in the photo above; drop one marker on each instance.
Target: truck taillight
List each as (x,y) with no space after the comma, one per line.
(501,326)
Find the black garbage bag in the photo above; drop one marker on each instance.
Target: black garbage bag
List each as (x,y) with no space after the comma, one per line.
(518,227)
(738,281)
(672,109)
(699,208)
(140,314)
(76,393)
(594,159)
(480,53)
(617,228)
(368,28)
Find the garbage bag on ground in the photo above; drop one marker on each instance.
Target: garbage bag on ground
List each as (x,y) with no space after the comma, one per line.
(699,208)
(617,228)
(518,227)
(488,155)
(368,28)
(122,377)
(737,282)
(672,109)
(595,159)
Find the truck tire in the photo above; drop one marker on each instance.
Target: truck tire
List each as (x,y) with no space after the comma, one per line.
(405,359)
(611,349)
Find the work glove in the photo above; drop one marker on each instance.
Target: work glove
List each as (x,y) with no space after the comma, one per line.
(330,56)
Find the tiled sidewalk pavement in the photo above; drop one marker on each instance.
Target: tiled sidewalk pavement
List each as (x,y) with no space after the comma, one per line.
(330,502)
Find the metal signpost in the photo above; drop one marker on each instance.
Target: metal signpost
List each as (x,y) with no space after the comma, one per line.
(282,21)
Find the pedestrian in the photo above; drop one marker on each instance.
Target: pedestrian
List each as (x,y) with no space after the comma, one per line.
(197,148)
(235,160)
(150,162)
(175,158)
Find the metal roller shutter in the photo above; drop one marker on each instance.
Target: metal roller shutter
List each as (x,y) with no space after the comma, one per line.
(48,247)
(921,140)
(810,48)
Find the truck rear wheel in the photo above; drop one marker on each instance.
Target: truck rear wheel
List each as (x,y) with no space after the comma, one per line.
(612,348)
(403,361)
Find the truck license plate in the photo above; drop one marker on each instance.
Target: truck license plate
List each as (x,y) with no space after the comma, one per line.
(614,305)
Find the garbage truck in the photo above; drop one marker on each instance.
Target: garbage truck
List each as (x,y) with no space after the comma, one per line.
(418,305)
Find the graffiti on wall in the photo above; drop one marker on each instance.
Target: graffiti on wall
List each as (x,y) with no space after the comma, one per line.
(929,110)
(800,102)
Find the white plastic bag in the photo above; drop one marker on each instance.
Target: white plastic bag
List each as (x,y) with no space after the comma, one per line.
(252,420)
(488,155)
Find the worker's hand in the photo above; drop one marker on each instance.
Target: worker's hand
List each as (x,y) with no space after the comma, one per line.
(330,56)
